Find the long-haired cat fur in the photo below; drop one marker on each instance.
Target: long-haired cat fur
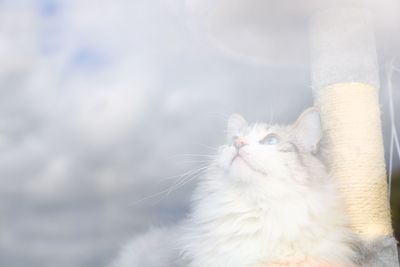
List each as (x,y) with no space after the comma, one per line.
(267,200)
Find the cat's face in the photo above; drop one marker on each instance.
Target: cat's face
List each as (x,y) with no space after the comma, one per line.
(262,154)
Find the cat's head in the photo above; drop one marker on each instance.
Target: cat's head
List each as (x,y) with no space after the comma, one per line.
(262,154)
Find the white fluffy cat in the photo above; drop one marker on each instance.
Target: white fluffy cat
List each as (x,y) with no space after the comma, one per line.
(267,199)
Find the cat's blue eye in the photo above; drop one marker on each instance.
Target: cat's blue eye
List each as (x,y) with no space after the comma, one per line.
(270,139)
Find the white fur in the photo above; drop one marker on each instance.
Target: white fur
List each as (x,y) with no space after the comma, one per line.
(273,203)
(156,248)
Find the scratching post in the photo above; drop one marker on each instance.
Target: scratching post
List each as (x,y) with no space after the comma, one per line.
(345,82)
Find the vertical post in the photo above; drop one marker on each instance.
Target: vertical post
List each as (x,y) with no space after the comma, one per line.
(345,81)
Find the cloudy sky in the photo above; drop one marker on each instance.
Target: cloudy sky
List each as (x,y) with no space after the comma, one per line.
(104,103)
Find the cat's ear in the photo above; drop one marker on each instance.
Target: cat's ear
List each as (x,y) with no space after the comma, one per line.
(236,123)
(307,130)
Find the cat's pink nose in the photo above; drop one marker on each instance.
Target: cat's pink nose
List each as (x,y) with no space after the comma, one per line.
(239,143)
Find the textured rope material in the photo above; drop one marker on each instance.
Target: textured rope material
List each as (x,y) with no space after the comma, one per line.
(351,120)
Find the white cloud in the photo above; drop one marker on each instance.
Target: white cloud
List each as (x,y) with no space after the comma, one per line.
(18,38)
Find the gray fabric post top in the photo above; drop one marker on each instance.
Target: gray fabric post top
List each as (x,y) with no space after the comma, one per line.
(342,47)
(380,253)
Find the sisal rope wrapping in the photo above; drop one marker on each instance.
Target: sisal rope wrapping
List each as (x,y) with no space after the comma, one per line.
(351,121)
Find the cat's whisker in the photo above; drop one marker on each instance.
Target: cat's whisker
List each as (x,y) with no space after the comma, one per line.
(196,161)
(193,155)
(177,186)
(178,175)
(172,177)
(187,176)
(206,146)
(183,180)
(192,172)
(204,164)
(149,197)
(166,192)
(183,183)
(189,179)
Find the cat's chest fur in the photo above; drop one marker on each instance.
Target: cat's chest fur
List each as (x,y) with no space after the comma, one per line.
(230,227)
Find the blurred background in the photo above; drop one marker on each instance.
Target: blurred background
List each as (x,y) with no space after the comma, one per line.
(103,104)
